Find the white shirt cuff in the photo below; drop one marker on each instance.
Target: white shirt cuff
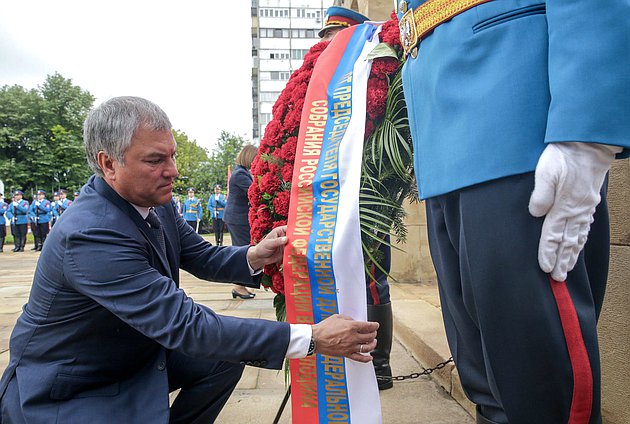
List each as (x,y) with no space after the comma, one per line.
(252,271)
(300,339)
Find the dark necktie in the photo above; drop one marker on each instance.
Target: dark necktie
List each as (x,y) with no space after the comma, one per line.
(153,220)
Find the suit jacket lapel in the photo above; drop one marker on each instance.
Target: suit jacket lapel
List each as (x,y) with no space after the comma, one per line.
(106,191)
(170,230)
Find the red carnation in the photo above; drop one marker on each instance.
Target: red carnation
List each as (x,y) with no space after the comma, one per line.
(390,32)
(384,66)
(273,167)
(269,183)
(369,128)
(277,280)
(254,195)
(289,148)
(281,203)
(287,171)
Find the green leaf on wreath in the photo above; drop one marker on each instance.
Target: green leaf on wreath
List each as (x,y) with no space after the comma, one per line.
(382,50)
(280,307)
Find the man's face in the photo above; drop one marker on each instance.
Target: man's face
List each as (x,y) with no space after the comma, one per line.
(40,197)
(17,197)
(329,34)
(62,196)
(191,194)
(146,178)
(56,198)
(217,190)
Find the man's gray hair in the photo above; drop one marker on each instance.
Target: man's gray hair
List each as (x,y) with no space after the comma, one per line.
(111,126)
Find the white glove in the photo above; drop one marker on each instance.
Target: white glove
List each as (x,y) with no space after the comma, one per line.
(14,203)
(568,180)
(37,203)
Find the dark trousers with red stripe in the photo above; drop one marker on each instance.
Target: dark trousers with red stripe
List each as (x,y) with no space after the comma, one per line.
(523,355)
(377,285)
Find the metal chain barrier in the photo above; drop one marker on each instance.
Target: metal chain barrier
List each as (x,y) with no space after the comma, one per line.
(425,371)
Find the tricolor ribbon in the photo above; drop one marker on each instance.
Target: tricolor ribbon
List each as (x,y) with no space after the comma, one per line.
(323,262)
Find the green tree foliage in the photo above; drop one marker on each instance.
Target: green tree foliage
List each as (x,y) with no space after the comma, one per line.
(190,163)
(41,141)
(228,147)
(201,170)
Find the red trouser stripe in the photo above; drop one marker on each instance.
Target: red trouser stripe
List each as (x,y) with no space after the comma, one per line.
(373,289)
(582,403)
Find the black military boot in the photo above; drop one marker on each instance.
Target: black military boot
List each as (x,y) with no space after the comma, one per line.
(41,243)
(36,246)
(1,244)
(383,315)
(18,244)
(483,420)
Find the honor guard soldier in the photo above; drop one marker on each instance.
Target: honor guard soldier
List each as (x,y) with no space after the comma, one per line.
(216,207)
(517,109)
(4,207)
(64,202)
(54,212)
(39,214)
(338,18)
(76,195)
(192,210)
(18,214)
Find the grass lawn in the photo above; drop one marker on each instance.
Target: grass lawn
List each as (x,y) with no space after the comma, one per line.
(9,239)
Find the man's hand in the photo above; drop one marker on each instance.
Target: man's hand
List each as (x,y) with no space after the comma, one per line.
(339,335)
(568,180)
(270,249)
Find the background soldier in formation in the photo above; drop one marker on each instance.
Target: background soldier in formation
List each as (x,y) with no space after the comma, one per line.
(54,212)
(63,201)
(3,228)
(40,214)
(192,210)
(18,211)
(216,207)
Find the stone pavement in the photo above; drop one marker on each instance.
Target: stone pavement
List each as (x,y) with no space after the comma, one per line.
(418,330)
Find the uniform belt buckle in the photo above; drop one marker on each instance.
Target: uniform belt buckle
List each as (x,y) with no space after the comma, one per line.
(408,33)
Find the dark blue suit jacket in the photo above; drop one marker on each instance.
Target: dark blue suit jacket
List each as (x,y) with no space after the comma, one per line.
(90,345)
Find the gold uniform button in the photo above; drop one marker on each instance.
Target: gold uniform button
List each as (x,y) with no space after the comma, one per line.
(402,6)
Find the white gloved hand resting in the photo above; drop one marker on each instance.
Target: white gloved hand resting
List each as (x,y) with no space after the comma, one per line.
(568,180)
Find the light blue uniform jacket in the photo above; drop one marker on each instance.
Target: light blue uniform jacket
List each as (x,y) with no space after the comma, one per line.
(217,205)
(490,87)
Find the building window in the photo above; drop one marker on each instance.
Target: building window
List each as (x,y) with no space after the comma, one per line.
(279,55)
(286,33)
(298,54)
(269,96)
(274,13)
(265,118)
(279,75)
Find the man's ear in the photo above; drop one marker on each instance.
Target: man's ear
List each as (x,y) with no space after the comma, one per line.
(106,163)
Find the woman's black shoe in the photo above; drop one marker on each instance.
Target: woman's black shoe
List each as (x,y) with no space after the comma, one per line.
(236,294)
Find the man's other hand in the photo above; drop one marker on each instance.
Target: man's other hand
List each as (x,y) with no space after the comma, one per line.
(269,250)
(339,335)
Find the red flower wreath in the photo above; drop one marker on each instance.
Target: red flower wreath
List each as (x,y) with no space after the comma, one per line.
(272,168)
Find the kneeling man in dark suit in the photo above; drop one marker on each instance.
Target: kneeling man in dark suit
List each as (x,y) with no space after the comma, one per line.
(107,333)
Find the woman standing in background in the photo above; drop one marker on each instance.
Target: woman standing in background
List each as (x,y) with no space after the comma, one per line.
(237,208)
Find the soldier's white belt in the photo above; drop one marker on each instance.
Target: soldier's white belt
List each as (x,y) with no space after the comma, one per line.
(416,24)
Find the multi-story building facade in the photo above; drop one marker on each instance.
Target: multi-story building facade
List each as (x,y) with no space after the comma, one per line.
(282,33)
